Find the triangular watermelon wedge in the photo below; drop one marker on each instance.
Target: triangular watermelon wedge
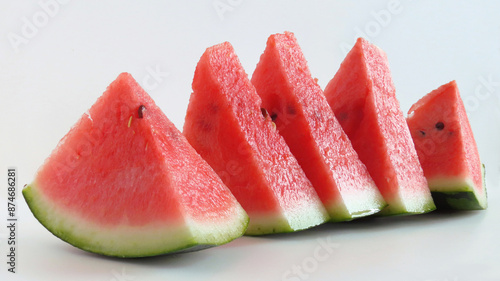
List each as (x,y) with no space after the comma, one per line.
(447,150)
(125,182)
(225,124)
(315,137)
(363,98)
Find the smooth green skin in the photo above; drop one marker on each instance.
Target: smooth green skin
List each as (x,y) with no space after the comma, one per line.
(61,232)
(463,198)
(457,200)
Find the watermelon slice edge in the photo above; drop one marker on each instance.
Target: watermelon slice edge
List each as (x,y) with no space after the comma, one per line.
(305,120)
(447,149)
(363,98)
(225,124)
(124,182)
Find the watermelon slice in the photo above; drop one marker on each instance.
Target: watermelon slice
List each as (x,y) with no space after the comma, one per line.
(125,182)
(306,121)
(447,150)
(225,124)
(363,99)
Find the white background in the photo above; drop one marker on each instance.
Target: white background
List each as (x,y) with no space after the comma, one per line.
(55,62)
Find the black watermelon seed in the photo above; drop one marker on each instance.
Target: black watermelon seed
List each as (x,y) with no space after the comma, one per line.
(274,116)
(342,116)
(422,132)
(440,125)
(140,111)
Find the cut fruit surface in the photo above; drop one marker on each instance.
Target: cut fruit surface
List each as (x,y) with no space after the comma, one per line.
(362,96)
(305,120)
(447,149)
(125,182)
(226,125)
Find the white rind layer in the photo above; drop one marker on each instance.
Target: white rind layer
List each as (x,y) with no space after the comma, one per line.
(364,202)
(300,218)
(464,185)
(306,216)
(130,241)
(409,202)
(447,184)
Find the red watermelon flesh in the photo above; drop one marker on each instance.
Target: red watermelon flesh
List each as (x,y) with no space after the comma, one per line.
(447,150)
(306,121)
(225,124)
(125,182)
(362,96)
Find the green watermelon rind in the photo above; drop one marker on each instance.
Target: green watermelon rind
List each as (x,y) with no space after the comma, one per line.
(420,204)
(409,204)
(339,213)
(273,226)
(286,222)
(269,225)
(394,209)
(61,226)
(459,194)
(462,200)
